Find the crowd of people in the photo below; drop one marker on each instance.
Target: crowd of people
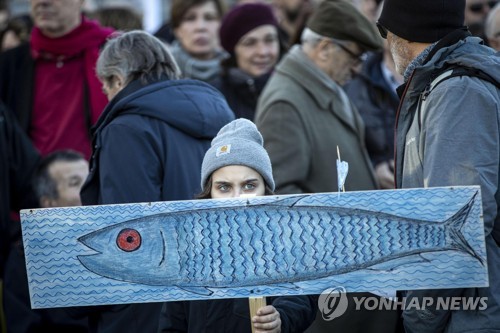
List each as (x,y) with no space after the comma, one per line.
(94,110)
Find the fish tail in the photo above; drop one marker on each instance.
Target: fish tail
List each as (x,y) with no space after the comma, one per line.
(456,223)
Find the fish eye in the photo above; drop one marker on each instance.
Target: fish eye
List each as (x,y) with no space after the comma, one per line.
(128,240)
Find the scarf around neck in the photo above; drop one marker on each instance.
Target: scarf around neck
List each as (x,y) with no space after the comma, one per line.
(85,41)
(204,70)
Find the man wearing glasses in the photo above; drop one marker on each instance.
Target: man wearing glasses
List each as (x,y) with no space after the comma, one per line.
(304,115)
(448,134)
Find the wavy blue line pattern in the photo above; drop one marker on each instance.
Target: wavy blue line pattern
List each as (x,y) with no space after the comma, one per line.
(57,278)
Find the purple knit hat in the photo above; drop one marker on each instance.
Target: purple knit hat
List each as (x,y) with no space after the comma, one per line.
(242,19)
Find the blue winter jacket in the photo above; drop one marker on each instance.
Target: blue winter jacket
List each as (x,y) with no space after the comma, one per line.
(150,141)
(149,144)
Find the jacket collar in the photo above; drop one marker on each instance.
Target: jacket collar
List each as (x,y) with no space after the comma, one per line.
(297,65)
(110,111)
(431,66)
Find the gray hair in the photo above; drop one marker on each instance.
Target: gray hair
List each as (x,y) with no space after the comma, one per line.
(310,37)
(489,29)
(136,55)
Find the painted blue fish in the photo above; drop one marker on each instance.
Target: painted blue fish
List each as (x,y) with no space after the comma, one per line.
(274,243)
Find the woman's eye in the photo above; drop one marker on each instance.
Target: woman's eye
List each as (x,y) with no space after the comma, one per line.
(189,18)
(270,40)
(248,42)
(249,187)
(210,17)
(223,188)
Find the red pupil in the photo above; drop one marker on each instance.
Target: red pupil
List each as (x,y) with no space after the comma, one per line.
(128,240)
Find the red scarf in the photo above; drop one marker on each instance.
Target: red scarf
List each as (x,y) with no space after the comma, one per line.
(87,39)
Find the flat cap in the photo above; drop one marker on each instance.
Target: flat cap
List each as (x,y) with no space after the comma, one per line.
(339,19)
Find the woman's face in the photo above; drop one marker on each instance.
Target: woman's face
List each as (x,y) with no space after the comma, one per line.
(258,50)
(236,180)
(197,32)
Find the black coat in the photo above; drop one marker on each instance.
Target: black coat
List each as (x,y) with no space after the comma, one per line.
(241,91)
(377,104)
(233,315)
(18,161)
(17,69)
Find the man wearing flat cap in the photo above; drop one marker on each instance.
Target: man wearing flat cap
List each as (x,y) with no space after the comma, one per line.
(304,115)
(448,134)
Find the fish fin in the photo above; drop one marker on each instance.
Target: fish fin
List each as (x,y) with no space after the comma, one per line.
(456,223)
(202,291)
(399,262)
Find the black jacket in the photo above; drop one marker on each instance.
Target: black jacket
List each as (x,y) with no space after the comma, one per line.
(241,91)
(150,141)
(377,103)
(17,69)
(233,315)
(18,161)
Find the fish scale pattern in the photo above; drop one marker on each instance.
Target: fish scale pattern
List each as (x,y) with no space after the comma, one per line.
(57,278)
(251,259)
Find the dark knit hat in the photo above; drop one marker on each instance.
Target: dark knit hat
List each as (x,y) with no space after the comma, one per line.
(242,19)
(238,143)
(422,21)
(339,19)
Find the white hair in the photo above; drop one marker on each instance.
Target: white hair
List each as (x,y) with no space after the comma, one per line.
(310,37)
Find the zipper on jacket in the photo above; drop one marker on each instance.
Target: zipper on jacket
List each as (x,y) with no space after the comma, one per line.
(422,98)
(396,130)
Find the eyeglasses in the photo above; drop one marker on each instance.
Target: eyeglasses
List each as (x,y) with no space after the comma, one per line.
(479,7)
(358,58)
(382,30)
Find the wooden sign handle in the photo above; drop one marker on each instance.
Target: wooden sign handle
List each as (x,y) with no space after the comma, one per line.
(255,304)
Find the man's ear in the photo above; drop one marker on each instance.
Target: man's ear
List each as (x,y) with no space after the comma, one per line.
(323,50)
(120,81)
(116,81)
(320,53)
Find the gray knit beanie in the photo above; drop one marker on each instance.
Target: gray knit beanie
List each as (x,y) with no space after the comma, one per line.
(238,143)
